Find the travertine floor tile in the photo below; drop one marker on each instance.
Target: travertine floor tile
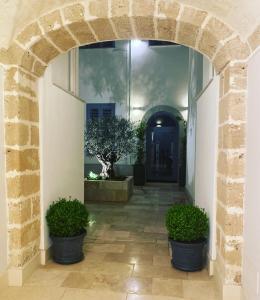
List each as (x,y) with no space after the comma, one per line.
(78,294)
(167,287)
(201,275)
(162,260)
(31,293)
(106,248)
(140,259)
(152,297)
(158,272)
(126,257)
(137,285)
(47,278)
(199,290)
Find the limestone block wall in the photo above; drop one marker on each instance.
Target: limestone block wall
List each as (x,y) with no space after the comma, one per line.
(231,171)
(90,21)
(22,165)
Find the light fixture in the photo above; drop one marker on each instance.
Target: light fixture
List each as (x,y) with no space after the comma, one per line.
(136,43)
(93,176)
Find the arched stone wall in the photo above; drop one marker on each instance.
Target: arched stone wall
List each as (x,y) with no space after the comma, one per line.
(99,20)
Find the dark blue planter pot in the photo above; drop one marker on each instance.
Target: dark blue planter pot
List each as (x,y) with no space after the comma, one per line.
(68,250)
(189,257)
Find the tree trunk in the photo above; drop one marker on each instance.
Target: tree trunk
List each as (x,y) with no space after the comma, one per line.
(106,169)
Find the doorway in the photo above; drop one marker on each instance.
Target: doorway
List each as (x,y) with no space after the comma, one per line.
(162,147)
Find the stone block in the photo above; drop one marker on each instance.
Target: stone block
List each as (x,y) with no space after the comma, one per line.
(82,32)
(98,9)
(232,107)
(166,29)
(23,185)
(208,44)
(189,26)
(21,237)
(231,224)
(233,253)
(62,39)
(19,212)
(144,27)
(22,108)
(30,34)
(235,77)
(187,34)
(74,13)
(221,59)
(51,21)
(103,29)
(218,29)
(22,160)
(10,79)
(143,8)
(39,68)
(44,50)
(193,16)
(35,206)
(233,276)
(34,136)
(16,134)
(123,27)
(254,39)
(230,194)
(120,8)
(19,81)
(27,61)
(233,49)
(233,136)
(168,9)
(231,165)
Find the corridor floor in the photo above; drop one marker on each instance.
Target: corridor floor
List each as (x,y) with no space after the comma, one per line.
(126,258)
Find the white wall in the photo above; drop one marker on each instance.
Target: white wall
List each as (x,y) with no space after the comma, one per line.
(194,88)
(206,156)
(61,71)
(159,76)
(61,146)
(251,259)
(200,74)
(3,208)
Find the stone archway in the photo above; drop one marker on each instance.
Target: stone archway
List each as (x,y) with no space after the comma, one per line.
(99,20)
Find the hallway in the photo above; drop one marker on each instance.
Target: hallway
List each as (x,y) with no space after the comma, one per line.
(127,258)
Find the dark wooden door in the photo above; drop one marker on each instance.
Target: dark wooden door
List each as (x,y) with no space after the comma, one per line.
(162,148)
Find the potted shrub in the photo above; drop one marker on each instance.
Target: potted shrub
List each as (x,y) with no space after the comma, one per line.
(139,167)
(188,228)
(67,221)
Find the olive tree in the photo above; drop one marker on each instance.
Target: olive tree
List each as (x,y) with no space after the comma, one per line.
(109,140)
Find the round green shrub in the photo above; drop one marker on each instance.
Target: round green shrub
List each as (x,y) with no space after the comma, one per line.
(187,223)
(67,218)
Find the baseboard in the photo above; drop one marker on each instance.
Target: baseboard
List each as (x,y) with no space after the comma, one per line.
(211,267)
(226,291)
(17,276)
(45,255)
